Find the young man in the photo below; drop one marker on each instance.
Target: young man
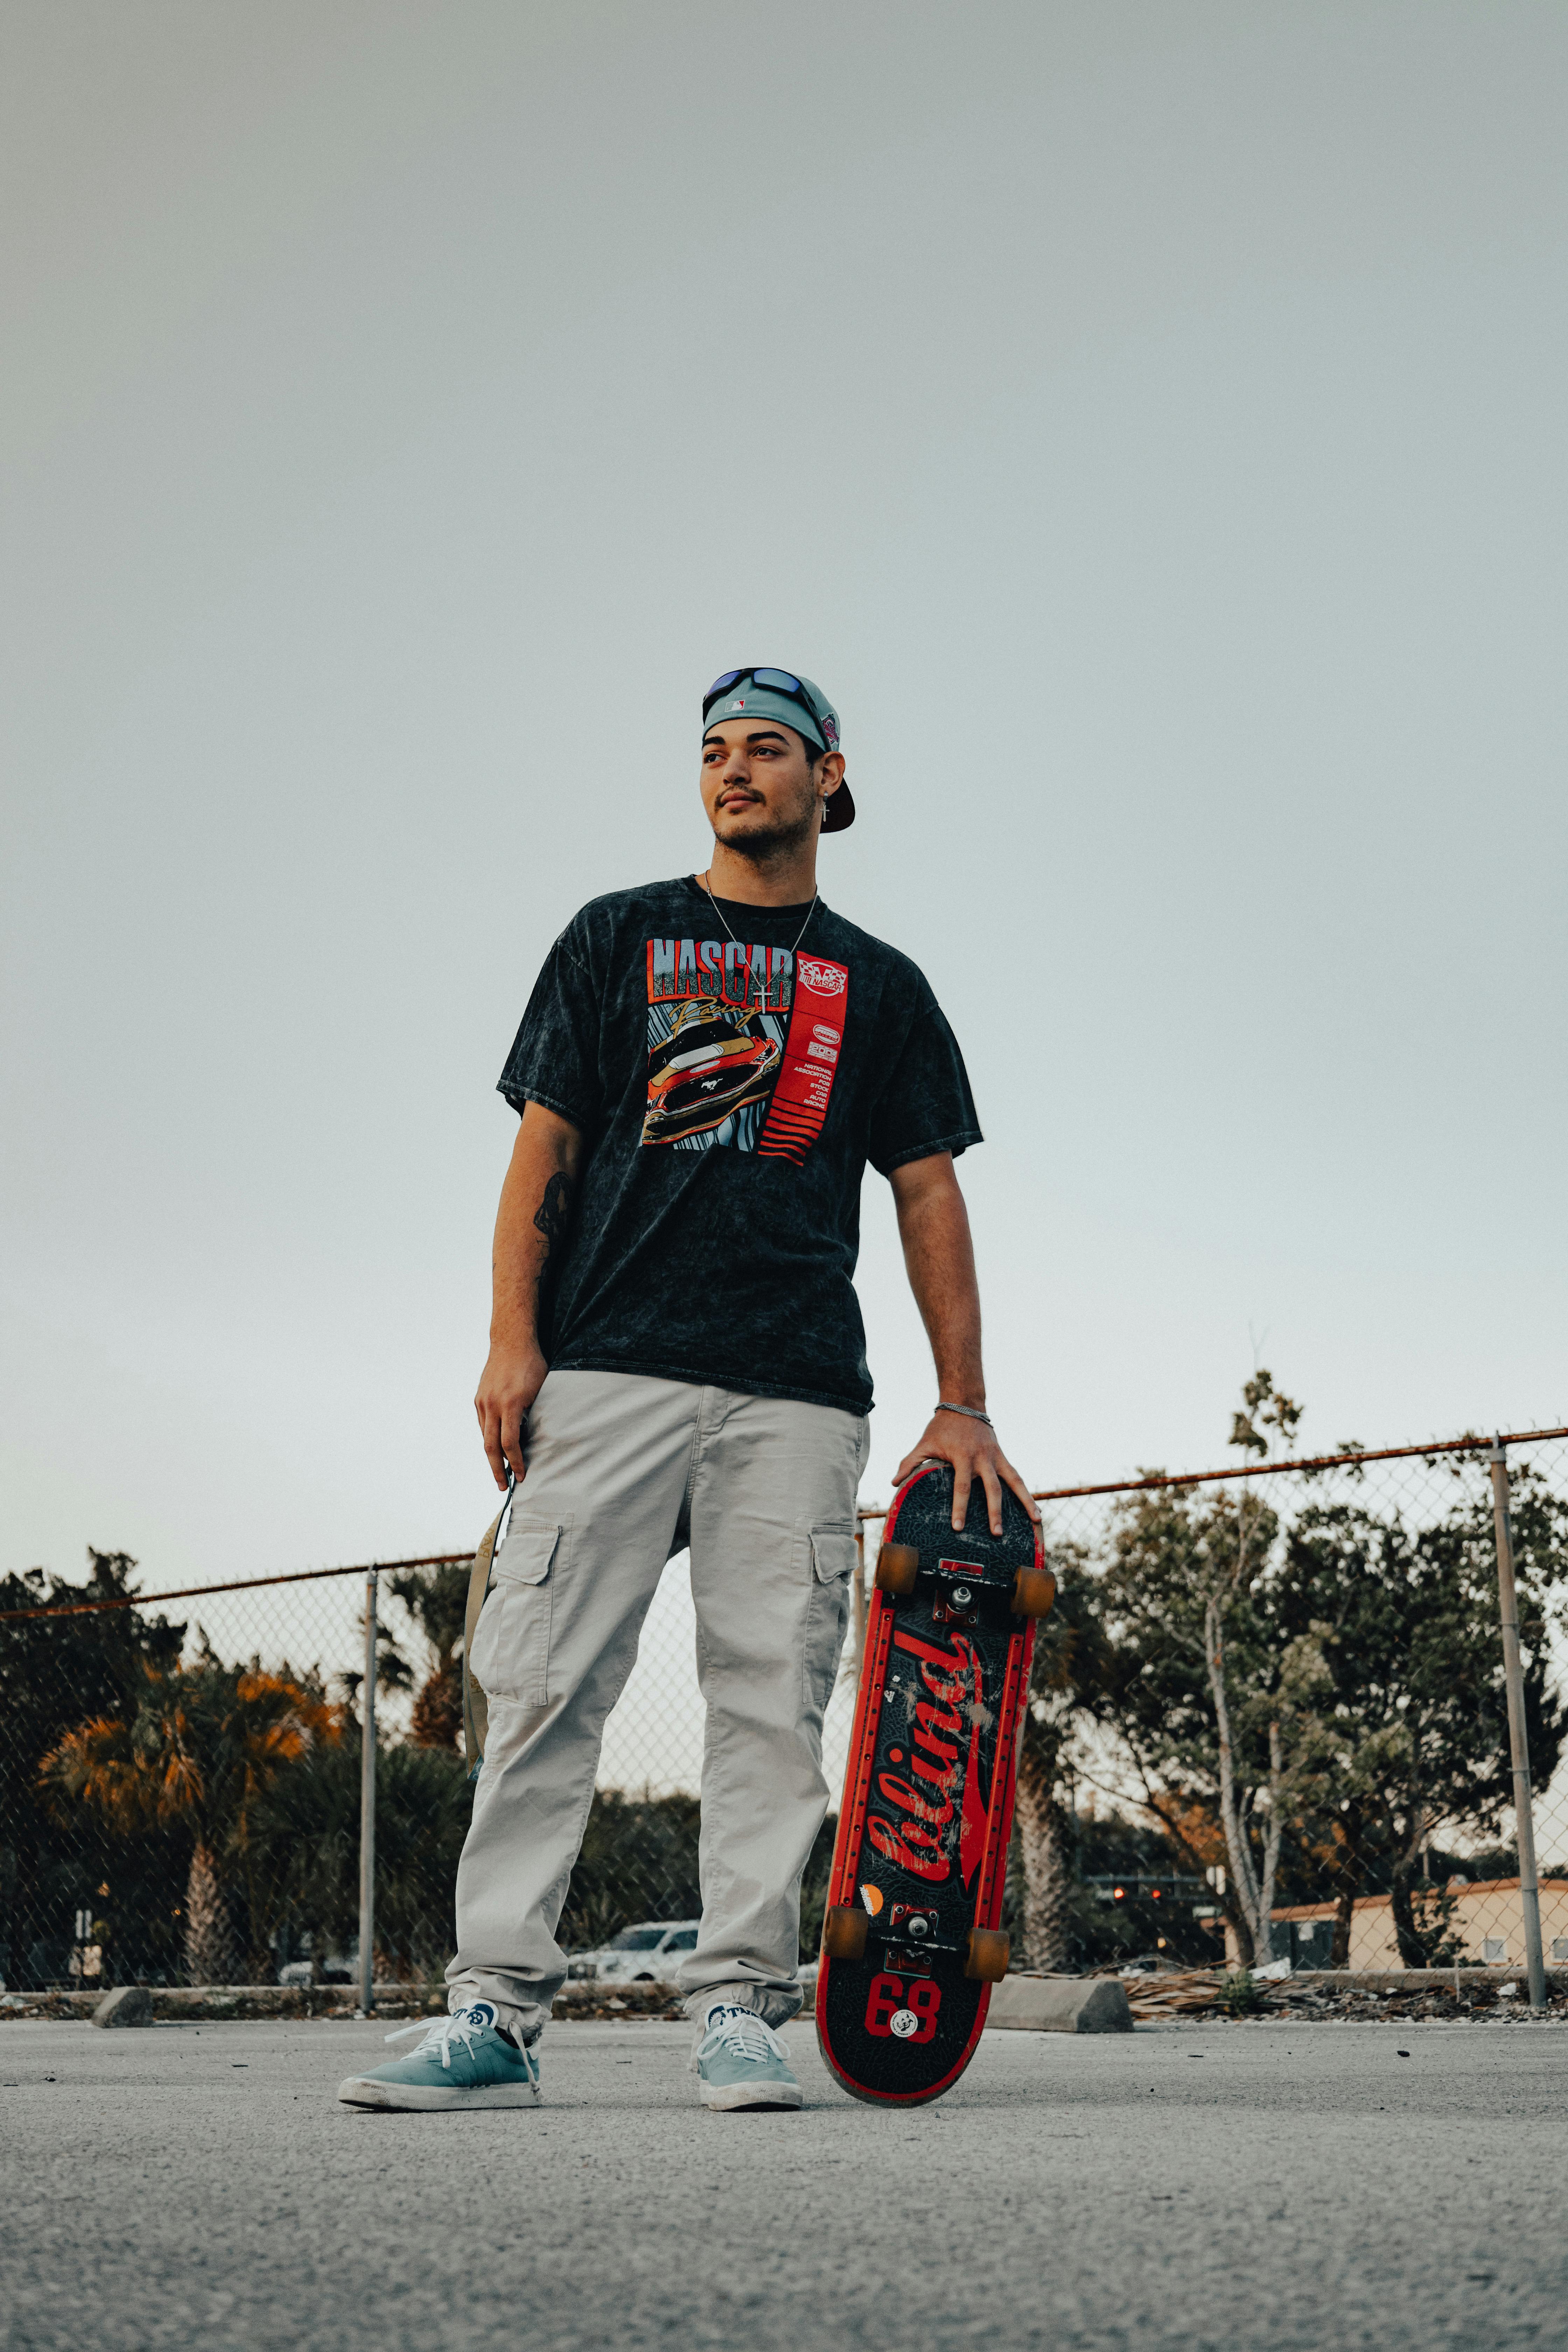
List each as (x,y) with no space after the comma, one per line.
(678,1359)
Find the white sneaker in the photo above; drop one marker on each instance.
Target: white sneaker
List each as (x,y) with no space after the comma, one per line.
(741,2062)
(462,2062)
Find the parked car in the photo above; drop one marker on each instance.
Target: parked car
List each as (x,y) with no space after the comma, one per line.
(647,1953)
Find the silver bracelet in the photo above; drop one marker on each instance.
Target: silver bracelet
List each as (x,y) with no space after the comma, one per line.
(969,1413)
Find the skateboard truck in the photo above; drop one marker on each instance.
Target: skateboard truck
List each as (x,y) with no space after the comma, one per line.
(910,1944)
(959,1587)
(912,1938)
(960,1583)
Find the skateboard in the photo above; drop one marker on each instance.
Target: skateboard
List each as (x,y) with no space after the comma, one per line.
(912,1942)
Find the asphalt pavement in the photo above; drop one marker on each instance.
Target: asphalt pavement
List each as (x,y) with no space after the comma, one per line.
(1251,2187)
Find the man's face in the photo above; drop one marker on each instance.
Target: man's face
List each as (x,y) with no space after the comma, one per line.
(758,785)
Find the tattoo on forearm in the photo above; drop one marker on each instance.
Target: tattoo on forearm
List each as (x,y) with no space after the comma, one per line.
(550,1218)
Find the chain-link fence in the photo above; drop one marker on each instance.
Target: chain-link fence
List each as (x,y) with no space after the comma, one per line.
(182,1780)
(1271,1721)
(1270,1727)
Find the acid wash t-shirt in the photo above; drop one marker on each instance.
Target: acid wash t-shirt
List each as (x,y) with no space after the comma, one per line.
(730,1091)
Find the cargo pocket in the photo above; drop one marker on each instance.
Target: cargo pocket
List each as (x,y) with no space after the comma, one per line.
(511,1658)
(833,1561)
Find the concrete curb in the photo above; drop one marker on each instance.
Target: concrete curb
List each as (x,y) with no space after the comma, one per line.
(126,2005)
(1017,2004)
(1031,2004)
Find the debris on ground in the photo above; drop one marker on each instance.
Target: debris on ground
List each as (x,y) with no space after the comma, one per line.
(1178,1994)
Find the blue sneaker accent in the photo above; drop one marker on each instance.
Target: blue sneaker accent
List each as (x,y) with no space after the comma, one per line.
(741,2062)
(462,2062)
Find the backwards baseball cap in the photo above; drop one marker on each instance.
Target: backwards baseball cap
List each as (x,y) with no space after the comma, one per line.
(778,694)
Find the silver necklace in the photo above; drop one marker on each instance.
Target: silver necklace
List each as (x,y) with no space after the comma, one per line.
(763,997)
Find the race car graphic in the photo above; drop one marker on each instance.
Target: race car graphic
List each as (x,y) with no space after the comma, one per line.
(713,1061)
(743,1043)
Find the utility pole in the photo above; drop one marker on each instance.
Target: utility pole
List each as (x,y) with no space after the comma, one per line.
(1525,1818)
(368,1810)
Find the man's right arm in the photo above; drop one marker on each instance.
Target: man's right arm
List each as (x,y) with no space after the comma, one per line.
(531,1230)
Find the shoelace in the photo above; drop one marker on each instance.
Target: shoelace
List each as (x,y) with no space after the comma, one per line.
(459,2027)
(742,2032)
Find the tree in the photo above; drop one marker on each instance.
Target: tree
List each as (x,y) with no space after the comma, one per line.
(1214,1711)
(638,1861)
(305,1846)
(423,1804)
(1410,1734)
(53,1671)
(1040,1826)
(437,1599)
(1067,1685)
(1266,1413)
(1326,1693)
(200,1747)
(1190,1664)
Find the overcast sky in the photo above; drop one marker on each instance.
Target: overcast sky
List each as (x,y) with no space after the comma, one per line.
(1146,421)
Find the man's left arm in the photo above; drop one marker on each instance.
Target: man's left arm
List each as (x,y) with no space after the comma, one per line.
(933,1227)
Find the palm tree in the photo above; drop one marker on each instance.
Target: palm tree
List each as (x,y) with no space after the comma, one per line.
(305,1844)
(1066,1687)
(202,1746)
(1042,1844)
(54,1672)
(436,1599)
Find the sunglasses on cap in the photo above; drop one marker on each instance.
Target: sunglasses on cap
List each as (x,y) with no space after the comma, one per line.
(777,681)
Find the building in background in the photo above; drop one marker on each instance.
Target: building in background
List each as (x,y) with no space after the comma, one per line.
(1485,1917)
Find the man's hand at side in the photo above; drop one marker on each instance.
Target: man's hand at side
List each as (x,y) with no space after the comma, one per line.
(512,1377)
(933,1227)
(531,1230)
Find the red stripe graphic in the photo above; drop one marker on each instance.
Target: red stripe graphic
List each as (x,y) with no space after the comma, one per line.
(816,1039)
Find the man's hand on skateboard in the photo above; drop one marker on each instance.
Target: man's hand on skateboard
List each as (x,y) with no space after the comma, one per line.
(971,1446)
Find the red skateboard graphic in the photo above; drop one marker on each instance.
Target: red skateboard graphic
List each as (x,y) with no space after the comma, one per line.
(912,1942)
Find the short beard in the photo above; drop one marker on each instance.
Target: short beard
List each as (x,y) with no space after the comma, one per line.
(784,837)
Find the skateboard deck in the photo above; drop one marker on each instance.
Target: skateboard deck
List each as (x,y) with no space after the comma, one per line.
(911,1939)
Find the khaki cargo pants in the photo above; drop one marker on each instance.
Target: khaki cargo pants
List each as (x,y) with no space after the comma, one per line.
(623,1472)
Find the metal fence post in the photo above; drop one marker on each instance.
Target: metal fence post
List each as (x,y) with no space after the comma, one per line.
(368,1810)
(1524,1817)
(858,1597)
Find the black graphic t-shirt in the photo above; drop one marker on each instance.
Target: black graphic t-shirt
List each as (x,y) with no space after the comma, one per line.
(730,1090)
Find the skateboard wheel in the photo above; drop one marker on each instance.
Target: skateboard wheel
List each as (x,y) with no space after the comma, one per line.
(844,1930)
(897,1565)
(987,1953)
(1034,1592)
